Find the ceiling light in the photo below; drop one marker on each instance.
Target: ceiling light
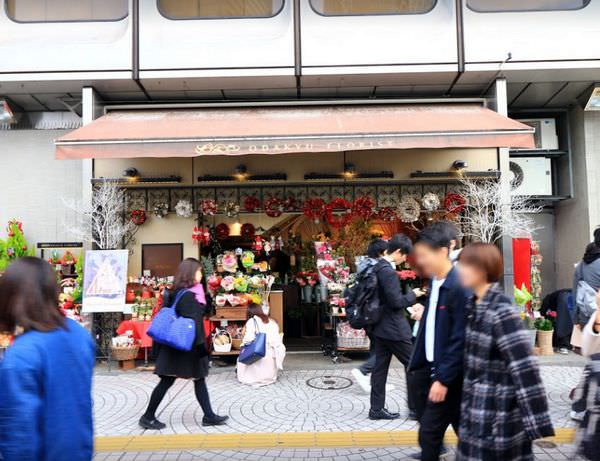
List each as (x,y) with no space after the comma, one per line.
(241,173)
(459,165)
(349,170)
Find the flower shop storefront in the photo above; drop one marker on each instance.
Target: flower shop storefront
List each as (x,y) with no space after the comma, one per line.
(278,202)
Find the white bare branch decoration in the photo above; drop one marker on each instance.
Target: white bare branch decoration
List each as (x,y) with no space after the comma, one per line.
(486,219)
(103,223)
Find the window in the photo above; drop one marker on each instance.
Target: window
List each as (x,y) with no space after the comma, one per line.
(371,7)
(215,9)
(497,6)
(66,10)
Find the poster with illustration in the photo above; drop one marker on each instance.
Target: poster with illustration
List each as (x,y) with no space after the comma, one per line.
(105,280)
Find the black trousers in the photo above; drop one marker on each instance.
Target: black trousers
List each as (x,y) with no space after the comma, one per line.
(434,418)
(384,349)
(158,394)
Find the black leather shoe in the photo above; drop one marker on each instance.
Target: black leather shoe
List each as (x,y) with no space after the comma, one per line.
(215,420)
(417,456)
(412,415)
(151,423)
(382,414)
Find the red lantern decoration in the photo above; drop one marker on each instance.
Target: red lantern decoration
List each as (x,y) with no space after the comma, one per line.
(363,207)
(273,207)
(248,230)
(138,217)
(222,231)
(251,204)
(341,220)
(454,203)
(314,208)
(201,235)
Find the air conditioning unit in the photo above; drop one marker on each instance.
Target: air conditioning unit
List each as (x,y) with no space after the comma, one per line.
(546,137)
(531,176)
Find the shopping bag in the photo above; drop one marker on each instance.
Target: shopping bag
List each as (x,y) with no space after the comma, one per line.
(255,350)
(170,329)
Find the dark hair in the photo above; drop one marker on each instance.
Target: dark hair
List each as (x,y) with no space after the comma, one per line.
(186,274)
(29,296)
(376,248)
(484,256)
(256,309)
(435,236)
(597,237)
(399,242)
(449,228)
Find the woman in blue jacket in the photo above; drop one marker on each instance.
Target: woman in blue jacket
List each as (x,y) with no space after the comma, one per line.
(46,374)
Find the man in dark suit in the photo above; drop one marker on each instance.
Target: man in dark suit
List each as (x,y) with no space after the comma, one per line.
(435,368)
(392,334)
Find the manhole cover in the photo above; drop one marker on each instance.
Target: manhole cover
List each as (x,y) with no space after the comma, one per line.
(329,382)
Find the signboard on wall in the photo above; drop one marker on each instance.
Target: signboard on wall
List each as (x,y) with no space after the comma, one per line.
(161,259)
(104,281)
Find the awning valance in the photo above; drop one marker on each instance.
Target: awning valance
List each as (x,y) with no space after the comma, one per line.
(277,130)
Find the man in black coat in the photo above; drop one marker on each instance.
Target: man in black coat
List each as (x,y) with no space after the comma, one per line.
(392,334)
(435,368)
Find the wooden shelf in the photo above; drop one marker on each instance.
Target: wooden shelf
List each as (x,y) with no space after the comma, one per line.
(229,319)
(538,153)
(232,352)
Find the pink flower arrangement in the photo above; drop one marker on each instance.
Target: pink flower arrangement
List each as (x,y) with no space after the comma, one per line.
(407,274)
(307,278)
(228,283)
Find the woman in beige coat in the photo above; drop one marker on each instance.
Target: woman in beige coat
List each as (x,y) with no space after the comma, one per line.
(590,340)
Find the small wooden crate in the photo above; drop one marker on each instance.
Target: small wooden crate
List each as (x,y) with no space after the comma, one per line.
(231,313)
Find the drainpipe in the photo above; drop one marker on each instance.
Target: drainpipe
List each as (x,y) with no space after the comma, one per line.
(135,47)
(297,48)
(460,43)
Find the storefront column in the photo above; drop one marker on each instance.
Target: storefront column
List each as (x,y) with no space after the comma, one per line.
(501,103)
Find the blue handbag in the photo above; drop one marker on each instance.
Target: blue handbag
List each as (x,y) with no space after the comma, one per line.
(172,330)
(255,350)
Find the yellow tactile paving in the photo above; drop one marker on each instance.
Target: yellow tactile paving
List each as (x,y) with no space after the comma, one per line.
(353,439)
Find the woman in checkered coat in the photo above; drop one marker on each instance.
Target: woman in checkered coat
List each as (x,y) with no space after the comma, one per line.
(504,405)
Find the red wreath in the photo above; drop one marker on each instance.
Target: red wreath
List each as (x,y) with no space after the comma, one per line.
(208,207)
(138,217)
(273,207)
(363,207)
(248,230)
(290,204)
(314,208)
(251,204)
(341,220)
(454,203)
(386,214)
(222,231)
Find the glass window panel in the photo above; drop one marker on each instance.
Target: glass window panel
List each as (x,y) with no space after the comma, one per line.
(360,7)
(212,9)
(494,6)
(66,10)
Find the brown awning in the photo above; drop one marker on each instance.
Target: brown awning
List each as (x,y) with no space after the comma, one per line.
(277,130)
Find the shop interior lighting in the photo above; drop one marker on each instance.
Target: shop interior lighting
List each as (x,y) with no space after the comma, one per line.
(594,100)
(6,113)
(459,165)
(241,174)
(349,174)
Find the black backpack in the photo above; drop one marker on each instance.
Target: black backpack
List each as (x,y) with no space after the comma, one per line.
(587,398)
(362,300)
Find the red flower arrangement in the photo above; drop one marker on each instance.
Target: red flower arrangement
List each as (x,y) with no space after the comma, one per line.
(363,207)
(201,235)
(273,207)
(307,278)
(314,208)
(386,214)
(251,204)
(222,231)
(454,203)
(208,207)
(342,220)
(248,230)
(407,274)
(138,217)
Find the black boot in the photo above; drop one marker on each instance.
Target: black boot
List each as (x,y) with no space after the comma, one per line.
(214,420)
(151,423)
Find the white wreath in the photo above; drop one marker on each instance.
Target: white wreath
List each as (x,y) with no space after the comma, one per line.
(430,202)
(409,210)
(184,208)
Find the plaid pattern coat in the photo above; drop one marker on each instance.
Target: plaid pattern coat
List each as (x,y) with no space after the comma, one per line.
(504,403)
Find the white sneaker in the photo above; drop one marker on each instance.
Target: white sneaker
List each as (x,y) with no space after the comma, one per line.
(364,381)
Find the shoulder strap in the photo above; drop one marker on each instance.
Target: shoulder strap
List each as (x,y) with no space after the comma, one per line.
(178,297)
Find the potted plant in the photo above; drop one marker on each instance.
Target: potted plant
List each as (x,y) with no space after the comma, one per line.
(522,298)
(545,331)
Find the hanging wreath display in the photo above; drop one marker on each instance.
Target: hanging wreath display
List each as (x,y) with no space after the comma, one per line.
(207,207)
(430,202)
(274,207)
(290,204)
(184,208)
(222,231)
(409,210)
(161,209)
(232,209)
(338,220)
(201,235)
(454,203)
(387,214)
(248,230)
(363,207)
(138,217)
(314,208)
(251,204)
